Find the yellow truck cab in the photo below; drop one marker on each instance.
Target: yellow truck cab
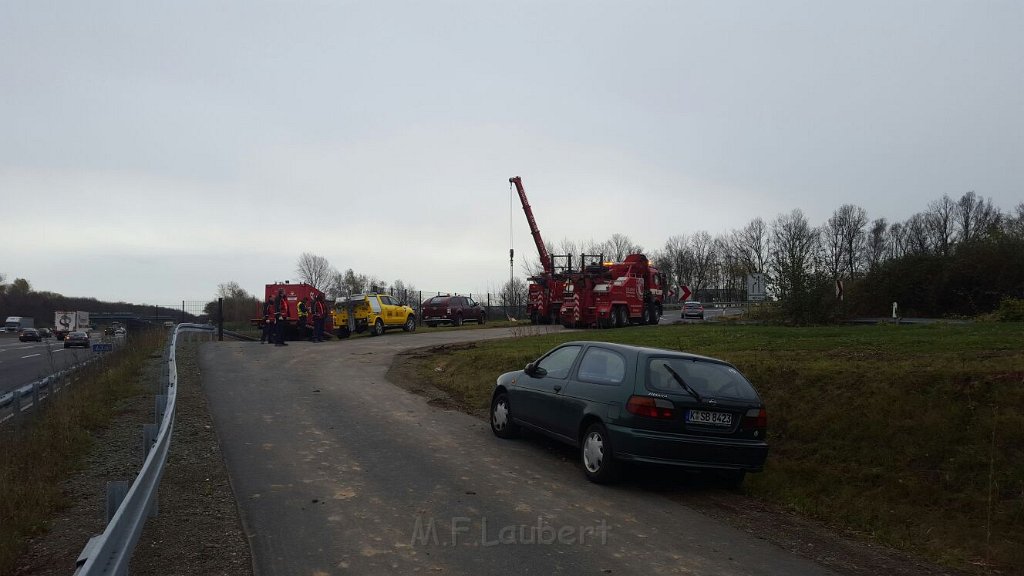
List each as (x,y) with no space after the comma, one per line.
(376,312)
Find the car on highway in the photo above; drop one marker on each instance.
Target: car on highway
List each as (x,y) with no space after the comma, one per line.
(454,310)
(46,333)
(78,338)
(29,335)
(619,404)
(693,310)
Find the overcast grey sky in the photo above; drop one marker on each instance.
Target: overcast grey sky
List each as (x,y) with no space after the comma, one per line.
(151,151)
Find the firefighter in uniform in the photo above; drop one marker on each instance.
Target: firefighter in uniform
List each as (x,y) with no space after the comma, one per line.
(267,335)
(303,311)
(280,317)
(319,314)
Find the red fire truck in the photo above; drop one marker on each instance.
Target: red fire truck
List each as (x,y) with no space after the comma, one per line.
(294,292)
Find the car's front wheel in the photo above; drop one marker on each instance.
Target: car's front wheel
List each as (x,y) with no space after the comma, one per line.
(501,417)
(457,321)
(410,324)
(597,456)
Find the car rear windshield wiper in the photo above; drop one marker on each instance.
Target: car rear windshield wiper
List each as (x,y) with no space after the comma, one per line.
(682,382)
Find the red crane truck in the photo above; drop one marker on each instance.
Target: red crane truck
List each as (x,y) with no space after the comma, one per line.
(613,294)
(544,299)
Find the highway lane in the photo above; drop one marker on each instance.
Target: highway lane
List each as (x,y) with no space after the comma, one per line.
(336,470)
(25,362)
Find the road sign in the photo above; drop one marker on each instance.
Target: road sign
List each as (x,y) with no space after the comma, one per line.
(103,347)
(684,293)
(755,286)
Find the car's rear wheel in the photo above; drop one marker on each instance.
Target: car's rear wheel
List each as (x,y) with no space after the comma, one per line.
(483,318)
(597,455)
(410,324)
(378,328)
(501,417)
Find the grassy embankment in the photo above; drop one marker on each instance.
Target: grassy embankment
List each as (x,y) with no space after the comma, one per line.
(36,457)
(910,435)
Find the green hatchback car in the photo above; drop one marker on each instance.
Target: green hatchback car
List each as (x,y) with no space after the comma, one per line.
(617,403)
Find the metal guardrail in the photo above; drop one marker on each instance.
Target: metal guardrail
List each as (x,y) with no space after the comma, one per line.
(39,389)
(128,507)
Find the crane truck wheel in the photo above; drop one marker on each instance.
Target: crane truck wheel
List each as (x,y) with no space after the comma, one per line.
(378,328)
(534,317)
(343,333)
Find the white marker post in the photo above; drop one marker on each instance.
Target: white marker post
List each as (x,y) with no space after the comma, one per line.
(895,316)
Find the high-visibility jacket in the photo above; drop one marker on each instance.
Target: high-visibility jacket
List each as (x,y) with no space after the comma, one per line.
(301,307)
(282,307)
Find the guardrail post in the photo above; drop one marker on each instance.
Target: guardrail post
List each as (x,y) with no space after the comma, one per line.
(149,434)
(16,409)
(35,396)
(116,491)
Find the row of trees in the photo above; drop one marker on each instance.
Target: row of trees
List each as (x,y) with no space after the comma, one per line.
(19,299)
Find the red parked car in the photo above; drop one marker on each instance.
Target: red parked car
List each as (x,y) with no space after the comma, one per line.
(452,310)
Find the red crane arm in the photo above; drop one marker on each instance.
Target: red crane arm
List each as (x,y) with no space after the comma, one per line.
(545,259)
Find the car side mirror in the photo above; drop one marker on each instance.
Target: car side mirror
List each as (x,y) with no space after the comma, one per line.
(535,371)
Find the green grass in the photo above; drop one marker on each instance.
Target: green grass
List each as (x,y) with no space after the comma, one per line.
(910,435)
(36,457)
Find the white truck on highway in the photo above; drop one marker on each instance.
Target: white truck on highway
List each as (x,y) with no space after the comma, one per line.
(14,324)
(66,322)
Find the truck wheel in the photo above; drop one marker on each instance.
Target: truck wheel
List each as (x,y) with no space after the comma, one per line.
(343,333)
(378,328)
(618,317)
(483,318)
(534,317)
(458,320)
(410,323)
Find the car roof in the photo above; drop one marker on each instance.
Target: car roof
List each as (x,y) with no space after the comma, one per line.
(642,350)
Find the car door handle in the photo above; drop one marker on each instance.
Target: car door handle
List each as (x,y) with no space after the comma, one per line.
(558,388)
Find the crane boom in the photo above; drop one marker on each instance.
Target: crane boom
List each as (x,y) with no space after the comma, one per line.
(545,259)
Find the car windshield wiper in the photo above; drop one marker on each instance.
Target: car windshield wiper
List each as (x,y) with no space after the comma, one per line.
(682,382)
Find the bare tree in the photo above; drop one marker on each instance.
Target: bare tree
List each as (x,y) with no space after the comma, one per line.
(619,246)
(896,241)
(974,217)
(792,263)
(314,270)
(752,242)
(918,238)
(702,248)
(940,221)
(854,220)
(876,243)
(232,290)
(833,245)
(352,283)
(1014,223)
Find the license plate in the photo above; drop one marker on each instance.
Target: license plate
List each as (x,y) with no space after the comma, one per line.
(709,418)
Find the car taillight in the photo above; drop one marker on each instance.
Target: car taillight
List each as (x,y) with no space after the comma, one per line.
(756,418)
(448,311)
(650,407)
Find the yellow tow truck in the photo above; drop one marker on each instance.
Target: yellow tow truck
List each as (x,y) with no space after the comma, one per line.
(373,312)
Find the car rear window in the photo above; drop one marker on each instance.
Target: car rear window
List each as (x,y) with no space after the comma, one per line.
(438,300)
(706,377)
